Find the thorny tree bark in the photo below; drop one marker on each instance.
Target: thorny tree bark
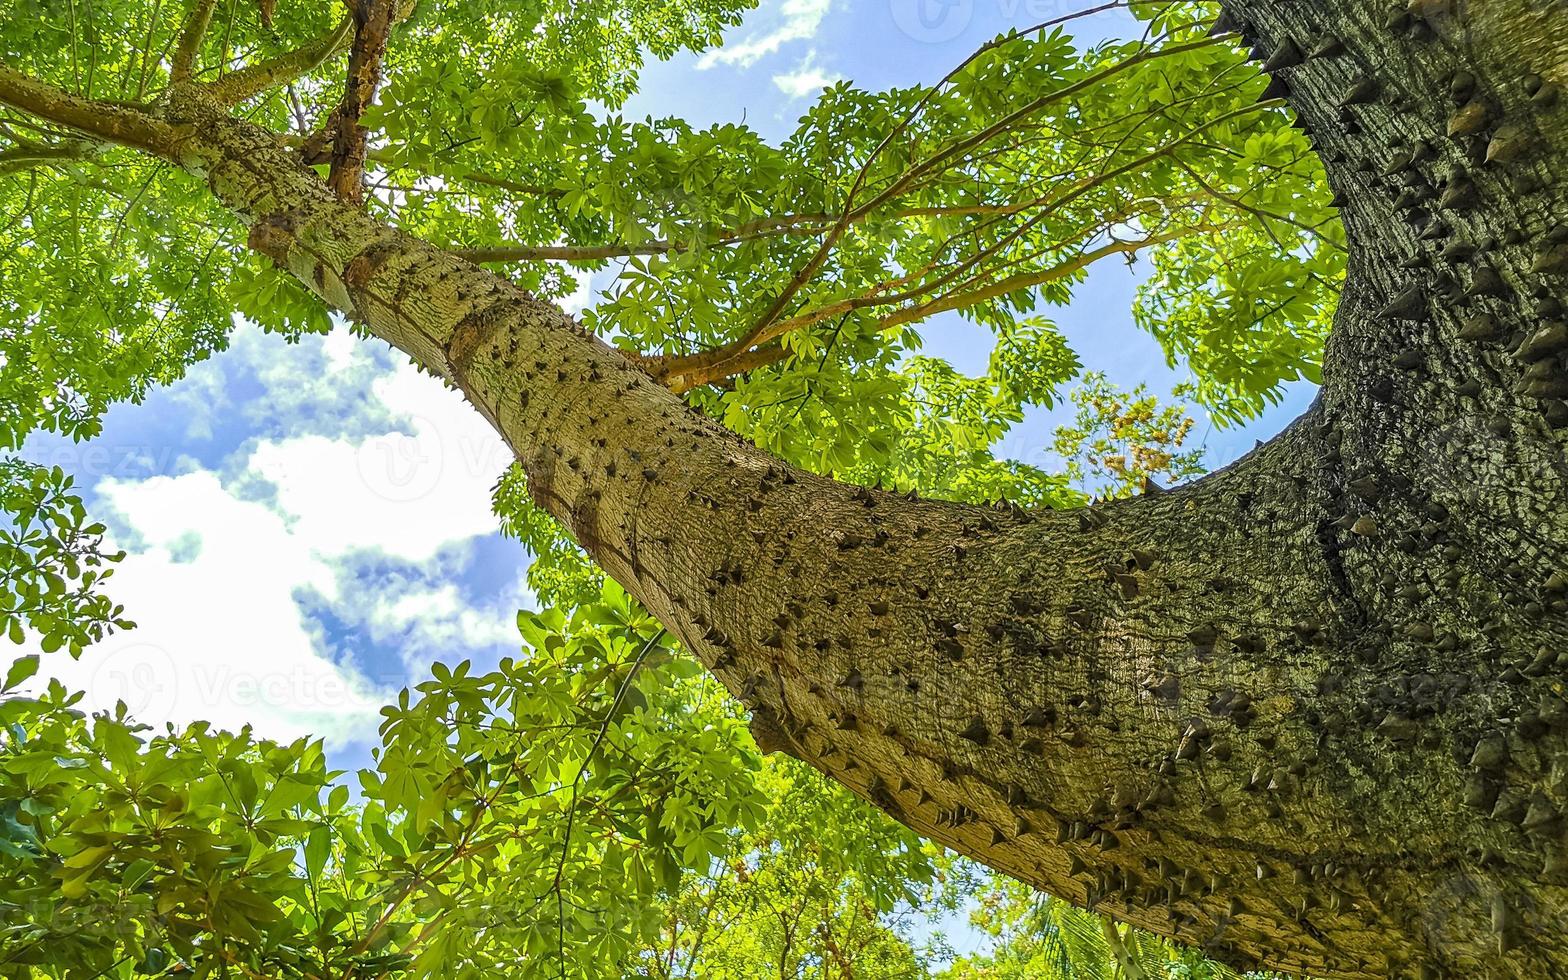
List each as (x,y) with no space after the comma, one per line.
(372,22)
(1305,713)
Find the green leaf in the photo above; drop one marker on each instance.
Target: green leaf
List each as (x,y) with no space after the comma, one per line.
(21,669)
(318,845)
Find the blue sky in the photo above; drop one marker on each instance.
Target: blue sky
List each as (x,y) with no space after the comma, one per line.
(308,525)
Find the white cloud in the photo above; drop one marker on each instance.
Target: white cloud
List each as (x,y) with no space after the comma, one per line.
(340,346)
(580,297)
(796,20)
(407,494)
(200,398)
(437,622)
(807,79)
(444,617)
(371,525)
(212,585)
(321,384)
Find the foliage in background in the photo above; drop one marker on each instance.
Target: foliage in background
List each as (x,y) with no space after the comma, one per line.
(823,886)
(525,821)
(1121,441)
(51,562)
(1037,936)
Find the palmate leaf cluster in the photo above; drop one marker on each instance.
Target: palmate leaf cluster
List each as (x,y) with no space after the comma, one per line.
(596,807)
(524,821)
(52,562)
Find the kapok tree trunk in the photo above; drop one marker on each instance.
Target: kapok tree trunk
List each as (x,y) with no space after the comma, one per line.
(1306,713)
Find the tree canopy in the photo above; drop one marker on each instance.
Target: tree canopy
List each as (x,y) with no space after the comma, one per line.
(596,805)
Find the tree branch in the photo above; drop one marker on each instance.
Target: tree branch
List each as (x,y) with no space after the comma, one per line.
(1029,280)
(189,44)
(764,329)
(567,253)
(372,23)
(694,373)
(954,150)
(27,156)
(770,327)
(774,227)
(681,374)
(252,80)
(107,121)
(782,225)
(1260,213)
(1131,968)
